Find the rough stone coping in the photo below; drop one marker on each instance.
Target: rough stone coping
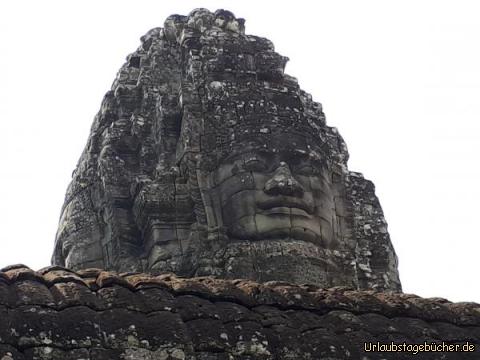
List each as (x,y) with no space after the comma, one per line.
(57,287)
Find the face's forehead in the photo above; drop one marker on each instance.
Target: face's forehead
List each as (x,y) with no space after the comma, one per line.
(281,148)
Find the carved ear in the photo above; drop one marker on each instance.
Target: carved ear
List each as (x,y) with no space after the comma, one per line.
(163,211)
(154,201)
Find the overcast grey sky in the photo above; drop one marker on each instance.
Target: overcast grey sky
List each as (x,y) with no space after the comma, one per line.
(399,79)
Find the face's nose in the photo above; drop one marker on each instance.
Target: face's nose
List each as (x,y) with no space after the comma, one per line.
(283,183)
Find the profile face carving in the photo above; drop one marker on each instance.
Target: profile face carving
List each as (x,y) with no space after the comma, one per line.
(281,194)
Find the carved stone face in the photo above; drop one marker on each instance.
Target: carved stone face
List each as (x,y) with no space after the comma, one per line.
(281,194)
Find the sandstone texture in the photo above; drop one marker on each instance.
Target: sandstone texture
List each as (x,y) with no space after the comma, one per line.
(207,159)
(57,313)
(212,216)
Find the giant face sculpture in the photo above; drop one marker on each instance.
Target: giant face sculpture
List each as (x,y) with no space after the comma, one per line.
(275,205)
(206,159)
(276,195)
(275,198)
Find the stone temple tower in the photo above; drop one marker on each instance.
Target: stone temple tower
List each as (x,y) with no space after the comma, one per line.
(207,159)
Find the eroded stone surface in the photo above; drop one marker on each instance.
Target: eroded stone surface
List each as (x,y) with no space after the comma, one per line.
(93,314)
(207,159)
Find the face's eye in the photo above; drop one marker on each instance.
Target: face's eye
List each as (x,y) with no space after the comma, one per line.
(255,164)
(306,169)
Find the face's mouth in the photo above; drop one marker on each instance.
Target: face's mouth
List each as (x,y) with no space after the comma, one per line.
(284,210)
(286,205)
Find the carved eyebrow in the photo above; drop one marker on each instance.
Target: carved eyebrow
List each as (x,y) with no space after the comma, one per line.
(297,154)
(302,158)
(250,154)
(315,156)
(254,156)
(307,153)
(244,155)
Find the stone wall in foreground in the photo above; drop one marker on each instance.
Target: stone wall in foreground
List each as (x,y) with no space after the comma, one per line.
(93,314)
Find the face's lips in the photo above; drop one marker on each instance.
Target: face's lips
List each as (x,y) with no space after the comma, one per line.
(284,210)
(285,204)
